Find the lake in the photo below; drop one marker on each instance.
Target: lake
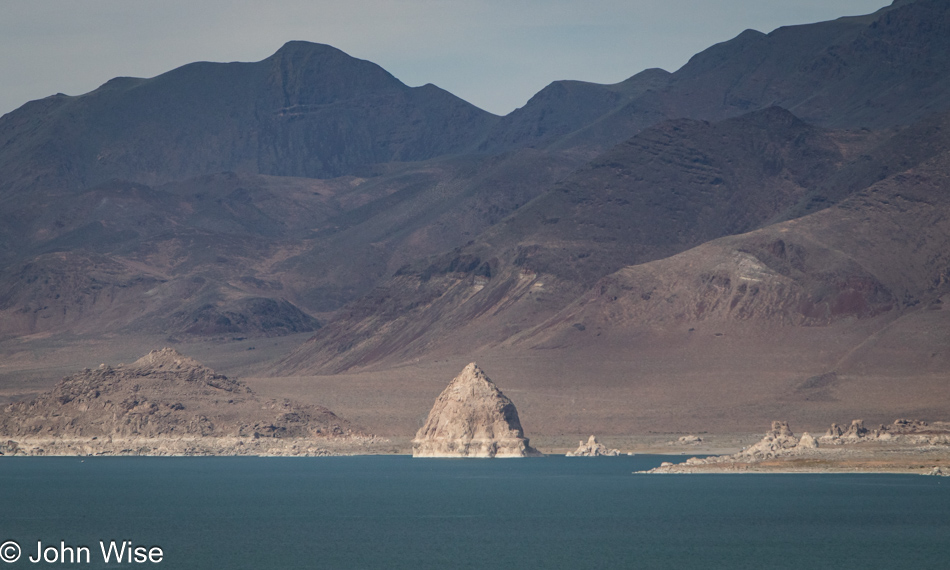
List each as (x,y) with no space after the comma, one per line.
(393,512)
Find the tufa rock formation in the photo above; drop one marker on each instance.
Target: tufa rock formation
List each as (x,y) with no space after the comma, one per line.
(834,431)
(912,432)
(857,430)
(164,404)
(902,445)
(778,441)
(592,449)
(807,441)
(472,418)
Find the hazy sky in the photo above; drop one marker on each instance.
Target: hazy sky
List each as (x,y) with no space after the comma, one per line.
(493,53)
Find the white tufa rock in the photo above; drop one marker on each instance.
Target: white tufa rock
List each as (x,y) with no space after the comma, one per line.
(593,449)
(807,442)
(472,418)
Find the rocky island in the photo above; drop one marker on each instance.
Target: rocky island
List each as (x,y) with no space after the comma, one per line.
(167,404)
(472,418)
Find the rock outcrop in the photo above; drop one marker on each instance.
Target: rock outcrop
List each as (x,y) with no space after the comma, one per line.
(164,404)
(472,418)
(689,440)
(593,449)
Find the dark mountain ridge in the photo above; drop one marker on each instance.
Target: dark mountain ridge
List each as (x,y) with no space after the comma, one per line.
(564,107)
(881,70)
(309,110)
(874,71)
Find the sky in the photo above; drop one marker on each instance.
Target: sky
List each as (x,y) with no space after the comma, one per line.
(495,54)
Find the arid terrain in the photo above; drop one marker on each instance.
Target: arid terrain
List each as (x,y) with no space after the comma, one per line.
(759,235)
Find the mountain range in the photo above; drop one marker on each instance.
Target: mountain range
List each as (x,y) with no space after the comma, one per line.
(762,230)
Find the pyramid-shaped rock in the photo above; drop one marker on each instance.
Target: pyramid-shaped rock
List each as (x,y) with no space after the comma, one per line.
(472,418)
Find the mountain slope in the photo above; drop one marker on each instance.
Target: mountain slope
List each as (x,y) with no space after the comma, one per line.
(883,250)
(668,189)
(243,254)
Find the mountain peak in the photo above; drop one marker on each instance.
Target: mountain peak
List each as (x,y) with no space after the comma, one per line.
(305,73)
(294,46)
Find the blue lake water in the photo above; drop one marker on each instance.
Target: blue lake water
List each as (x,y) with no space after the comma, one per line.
(396,512)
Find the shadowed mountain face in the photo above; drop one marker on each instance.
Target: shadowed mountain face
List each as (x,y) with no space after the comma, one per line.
(117,213)
(309,110)
(885,69)
(312,111)
(562,108)
(852,72)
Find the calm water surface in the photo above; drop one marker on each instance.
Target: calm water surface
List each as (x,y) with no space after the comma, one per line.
(397,512)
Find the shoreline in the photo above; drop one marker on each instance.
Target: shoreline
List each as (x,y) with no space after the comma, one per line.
(723,470)
(653,444)
(906,446)
(855,458)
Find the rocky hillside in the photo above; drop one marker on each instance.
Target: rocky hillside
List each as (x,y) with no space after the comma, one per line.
(871,71)
(883,250)
(241,254)
(669,189)
(164,401)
